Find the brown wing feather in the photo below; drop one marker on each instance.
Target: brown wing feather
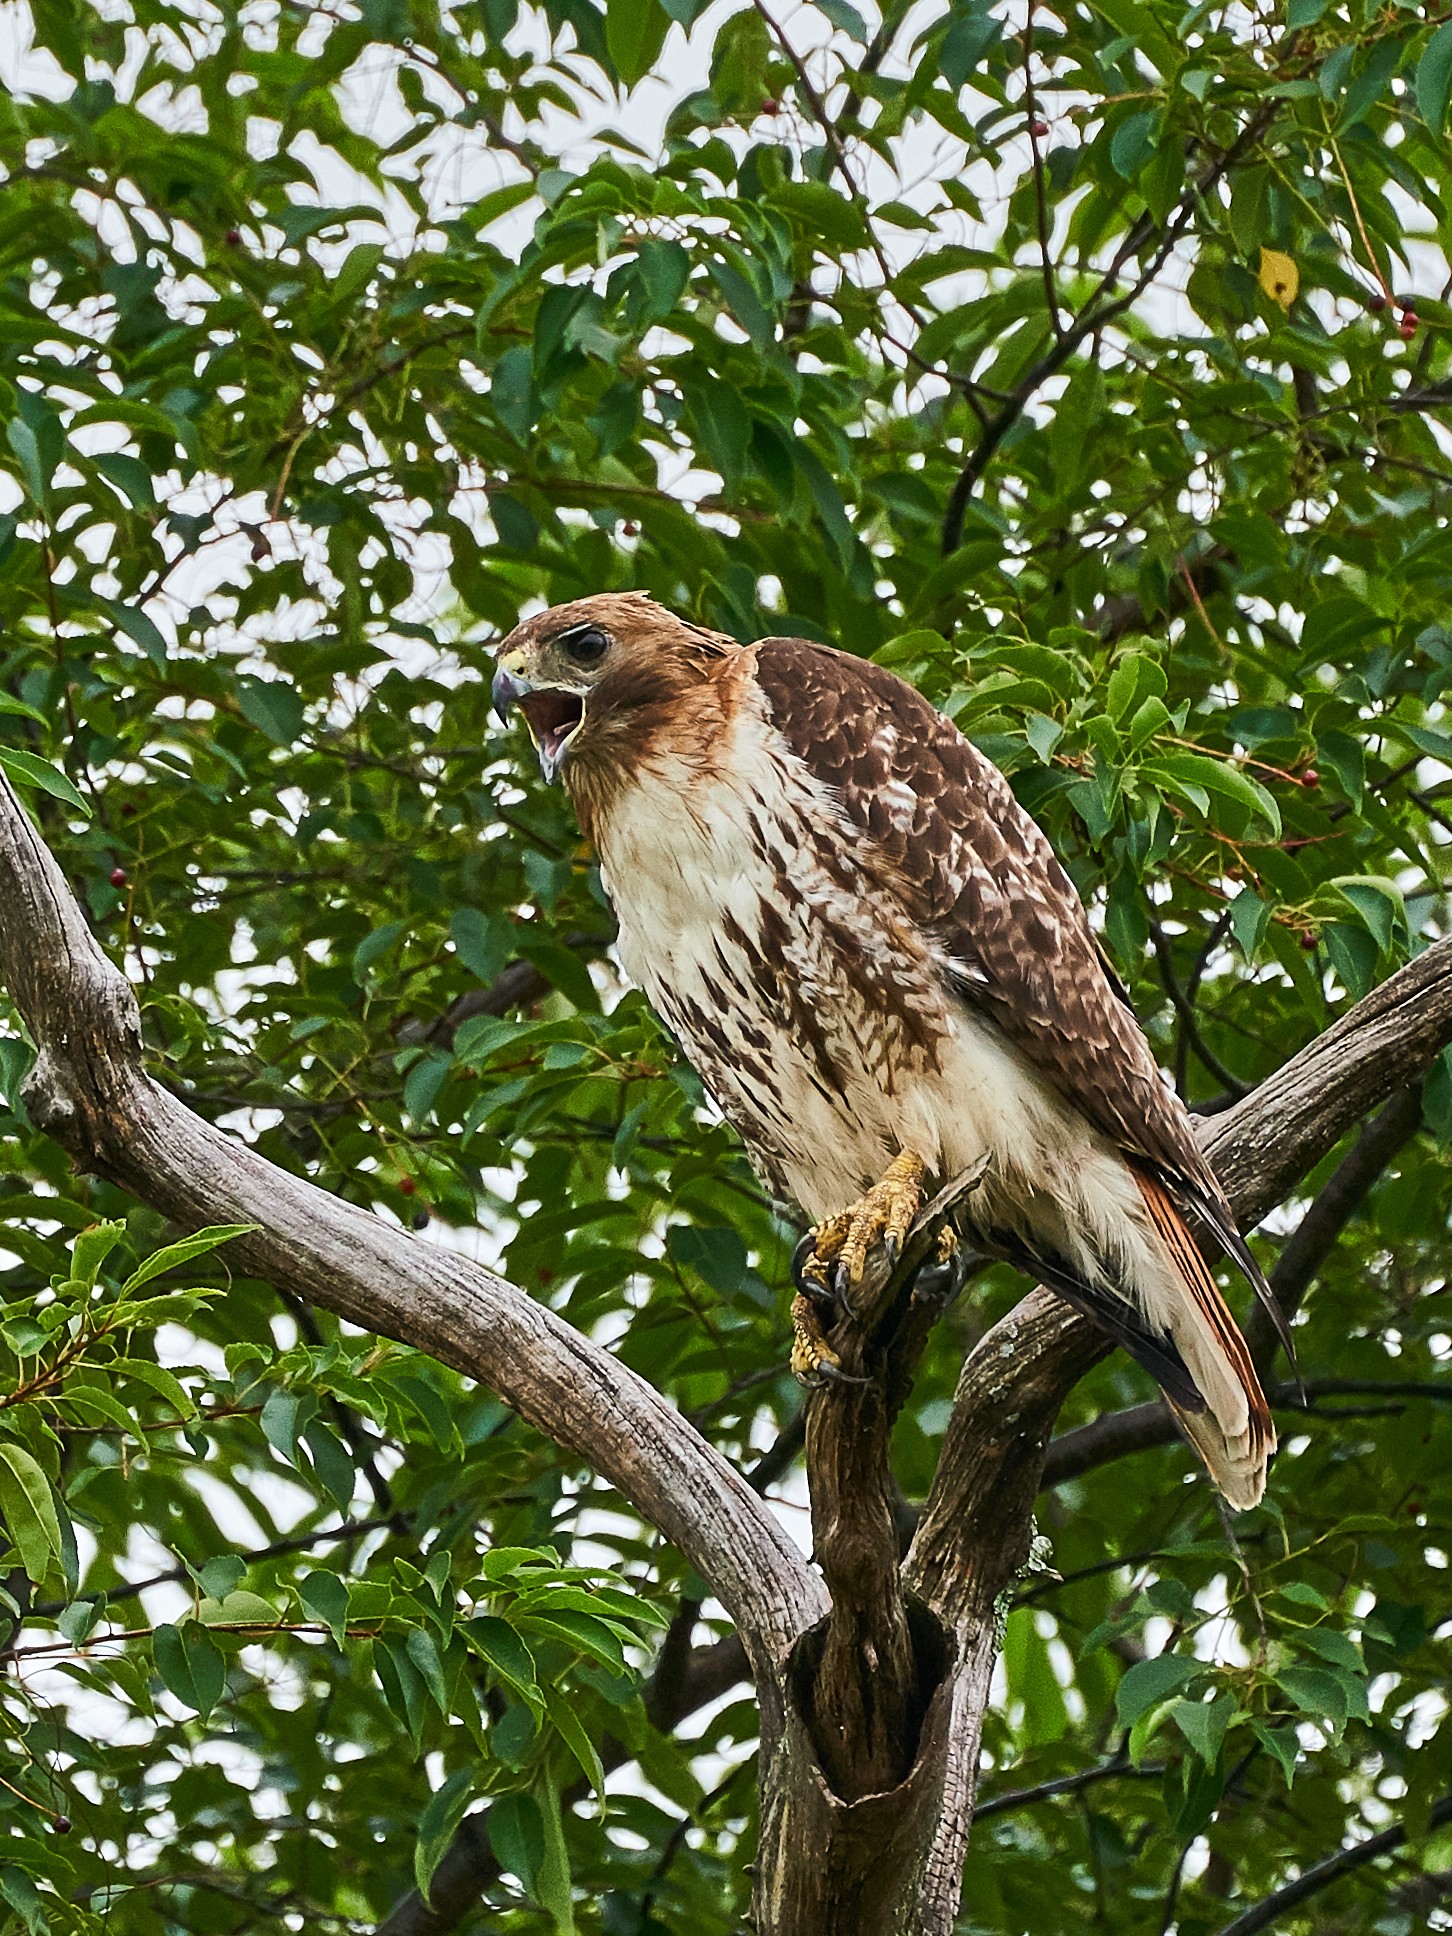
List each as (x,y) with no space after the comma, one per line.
(976,871)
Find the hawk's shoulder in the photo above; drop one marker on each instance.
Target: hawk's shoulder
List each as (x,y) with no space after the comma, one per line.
(978,874)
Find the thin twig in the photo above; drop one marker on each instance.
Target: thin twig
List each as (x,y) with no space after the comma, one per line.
(1322,1874)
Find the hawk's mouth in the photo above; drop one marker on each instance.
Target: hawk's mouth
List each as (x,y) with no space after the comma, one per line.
(552,716)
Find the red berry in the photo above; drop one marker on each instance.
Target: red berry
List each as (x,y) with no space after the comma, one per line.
(234,238)
(1407,327)
(630,528)
(1038,129)
(1376,302)
(406,1186)
(1308,942)
(1310,779)
(62,1824)
(118,877)
(771,107)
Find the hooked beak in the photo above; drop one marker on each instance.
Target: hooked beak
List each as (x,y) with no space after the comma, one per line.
(552,714)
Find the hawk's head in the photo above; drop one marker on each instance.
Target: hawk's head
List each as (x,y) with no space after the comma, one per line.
(598,675)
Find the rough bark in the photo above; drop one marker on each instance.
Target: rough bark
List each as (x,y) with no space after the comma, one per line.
(840,1854)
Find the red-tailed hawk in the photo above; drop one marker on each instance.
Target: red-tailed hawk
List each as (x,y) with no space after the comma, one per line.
(871,955)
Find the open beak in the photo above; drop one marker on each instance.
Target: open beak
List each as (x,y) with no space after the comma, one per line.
(552,714)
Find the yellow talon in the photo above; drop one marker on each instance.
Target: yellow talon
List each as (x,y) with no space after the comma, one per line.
(813,1359)
(884,1216)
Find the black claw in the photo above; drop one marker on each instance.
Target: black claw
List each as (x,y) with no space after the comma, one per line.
(834,1375)
(940,1282)
(804,1254)
(892,1247)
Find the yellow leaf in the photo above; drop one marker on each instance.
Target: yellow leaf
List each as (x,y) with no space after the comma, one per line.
(1279,277)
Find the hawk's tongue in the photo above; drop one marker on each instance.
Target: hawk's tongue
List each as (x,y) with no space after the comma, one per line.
(553,716)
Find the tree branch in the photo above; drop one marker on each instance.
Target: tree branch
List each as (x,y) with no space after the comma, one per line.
(1323,1874)
(1338,1201)
(90,1091)
(863,1682)
(1118,1767)
(1116,1435)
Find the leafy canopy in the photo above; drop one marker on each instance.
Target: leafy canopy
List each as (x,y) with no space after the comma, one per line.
(1087,365)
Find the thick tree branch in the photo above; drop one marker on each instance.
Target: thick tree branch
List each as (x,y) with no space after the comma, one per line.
(862,1679)
(90,1091)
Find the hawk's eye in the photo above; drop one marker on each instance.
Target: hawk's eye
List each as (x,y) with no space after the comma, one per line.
(586,645)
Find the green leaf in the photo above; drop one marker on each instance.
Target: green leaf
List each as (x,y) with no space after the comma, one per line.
(35,471)
(555,1893)
(1284,1744)
(1198,777)
(483,942)
(273,708)
(635,32)
(422,1084)
(238,1608)
(373,946)
(19,1890)
(1134,141)
(1149,1681)
(719,1256)
(1434,78)
(141,630)
(516,1835)
(129,475)
(184,1251)
(26,770)
(91,1248)
(189,1666)
(157,1378)
(326,1598)
(580,1632)
(424,1654)
(442,1814)
(571,1730)
(1378,904)
(496,1642)
(28,1508)
(1203,1724)
(1316,1692)
(1248,917)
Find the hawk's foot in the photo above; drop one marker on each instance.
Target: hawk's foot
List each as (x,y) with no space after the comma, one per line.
(814,1362)
(841,1246)
(941,1277)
